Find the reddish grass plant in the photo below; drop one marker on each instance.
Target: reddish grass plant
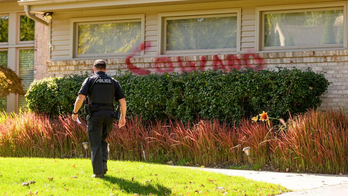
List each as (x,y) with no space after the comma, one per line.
(33,135)
(312,142)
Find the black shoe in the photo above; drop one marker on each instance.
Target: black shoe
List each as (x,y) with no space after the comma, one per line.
(97,176)
(105,167)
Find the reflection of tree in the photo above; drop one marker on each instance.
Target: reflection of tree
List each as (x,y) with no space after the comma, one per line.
(286,29)
(108,37)
(202,33)
(3,28)
(329,37)
(3,62)
(272,37)
(27,29)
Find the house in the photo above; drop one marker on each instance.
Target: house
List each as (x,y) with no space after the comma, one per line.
(145,36)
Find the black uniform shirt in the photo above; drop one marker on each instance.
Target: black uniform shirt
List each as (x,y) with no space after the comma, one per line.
(89,81)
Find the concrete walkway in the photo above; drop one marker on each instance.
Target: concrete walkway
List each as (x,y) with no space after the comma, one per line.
(303,184)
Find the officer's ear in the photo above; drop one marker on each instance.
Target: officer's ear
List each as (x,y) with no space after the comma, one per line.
(95,70)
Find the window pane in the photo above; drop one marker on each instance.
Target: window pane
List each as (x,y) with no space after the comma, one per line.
(312,28)
(27,29)
(106,38)
(202,33)
(26,72)
(3,62)
(3,28)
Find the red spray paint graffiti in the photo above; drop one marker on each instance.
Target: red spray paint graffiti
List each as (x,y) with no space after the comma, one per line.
(131,67)
(166,65)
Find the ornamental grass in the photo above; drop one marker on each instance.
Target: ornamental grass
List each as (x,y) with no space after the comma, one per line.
(313,142)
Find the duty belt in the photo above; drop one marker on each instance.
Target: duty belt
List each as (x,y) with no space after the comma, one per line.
(105,107)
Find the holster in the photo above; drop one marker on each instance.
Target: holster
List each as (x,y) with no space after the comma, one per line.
(116,114)
(90,108)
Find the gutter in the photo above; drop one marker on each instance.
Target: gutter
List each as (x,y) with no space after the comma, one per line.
(32,16)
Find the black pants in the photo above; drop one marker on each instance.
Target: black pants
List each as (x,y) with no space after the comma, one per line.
(99,126)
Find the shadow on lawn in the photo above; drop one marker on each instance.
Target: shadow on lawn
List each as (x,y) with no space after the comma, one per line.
(135,187)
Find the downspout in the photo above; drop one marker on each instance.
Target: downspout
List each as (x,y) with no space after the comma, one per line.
(32,16)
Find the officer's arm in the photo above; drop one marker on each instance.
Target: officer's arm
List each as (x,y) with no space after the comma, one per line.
(79,102)
(123,109)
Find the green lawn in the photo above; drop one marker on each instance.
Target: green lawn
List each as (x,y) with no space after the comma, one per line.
(72,177)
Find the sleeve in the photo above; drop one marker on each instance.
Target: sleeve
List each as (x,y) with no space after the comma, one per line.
(85,87)
(118,91)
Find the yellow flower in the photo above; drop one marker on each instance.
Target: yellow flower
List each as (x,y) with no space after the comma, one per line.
(264,116)
(254,119)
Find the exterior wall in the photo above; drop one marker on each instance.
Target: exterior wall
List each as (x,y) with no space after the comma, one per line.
(42,51)
(331,61)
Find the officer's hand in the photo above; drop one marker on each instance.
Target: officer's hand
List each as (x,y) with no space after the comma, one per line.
(74,117)
(121,122)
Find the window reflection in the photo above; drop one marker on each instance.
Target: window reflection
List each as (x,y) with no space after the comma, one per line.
(27,29)
(309,28)
(107,38)
(3,28)
(201,33)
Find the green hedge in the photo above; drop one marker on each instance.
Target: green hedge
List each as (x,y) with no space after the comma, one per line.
(196,95)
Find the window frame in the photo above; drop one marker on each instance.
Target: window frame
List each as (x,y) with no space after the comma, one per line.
(260,27)
(18,35)
(12,47)
(74,22)
(162,30)
(6,43)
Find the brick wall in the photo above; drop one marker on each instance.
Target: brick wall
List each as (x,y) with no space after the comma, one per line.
(334,63)
(42,54)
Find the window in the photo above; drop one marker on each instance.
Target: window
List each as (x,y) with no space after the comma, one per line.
(26,72)
(17,52)
(198,32)
(3,62)
(3,29)
(310,28)
(109,37)
(27,29)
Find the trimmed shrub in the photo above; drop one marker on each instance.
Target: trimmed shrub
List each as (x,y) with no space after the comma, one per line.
(196,95)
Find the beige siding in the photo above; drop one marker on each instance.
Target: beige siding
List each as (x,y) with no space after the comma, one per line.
(248,29)
(151,33)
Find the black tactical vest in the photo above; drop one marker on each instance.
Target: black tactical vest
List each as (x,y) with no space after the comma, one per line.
(103,91)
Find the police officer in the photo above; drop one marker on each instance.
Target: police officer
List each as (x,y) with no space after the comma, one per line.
(101,90)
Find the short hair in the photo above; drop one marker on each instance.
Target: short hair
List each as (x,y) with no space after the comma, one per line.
(99,64)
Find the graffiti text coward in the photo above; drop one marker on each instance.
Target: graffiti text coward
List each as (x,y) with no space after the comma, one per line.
(166,65)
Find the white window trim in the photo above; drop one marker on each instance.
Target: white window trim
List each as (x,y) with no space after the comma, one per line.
(18,38)
(5,43)
(121,18)
(161,37)
(259,27)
